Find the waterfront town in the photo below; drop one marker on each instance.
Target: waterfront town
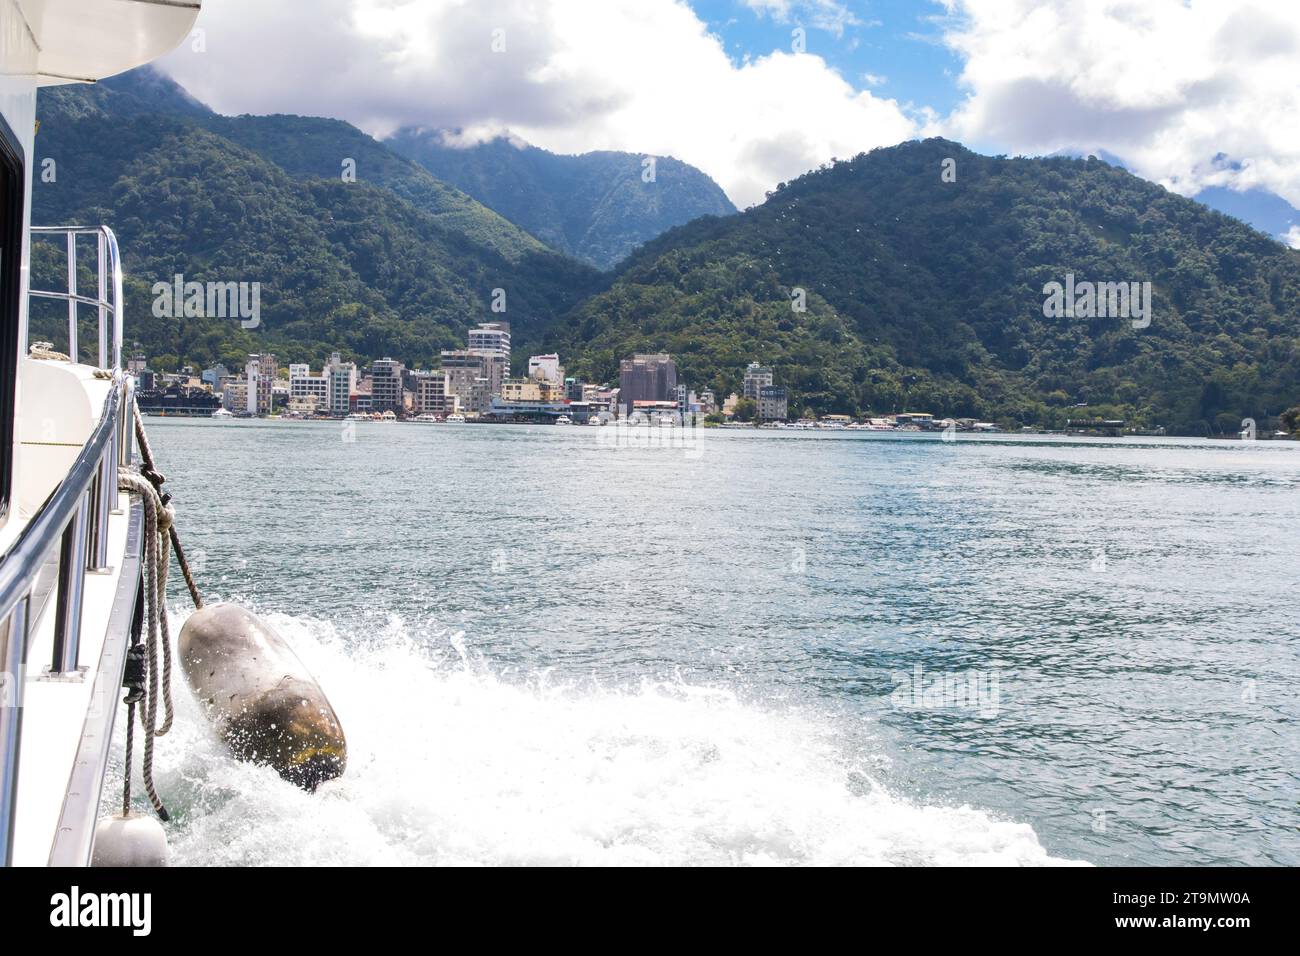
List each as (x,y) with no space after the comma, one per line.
(473,384)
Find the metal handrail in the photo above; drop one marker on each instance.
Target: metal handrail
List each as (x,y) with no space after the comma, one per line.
(73,521)
(109,266)
(62,525)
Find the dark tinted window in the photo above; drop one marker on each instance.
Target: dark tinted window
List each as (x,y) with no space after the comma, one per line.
(11,246)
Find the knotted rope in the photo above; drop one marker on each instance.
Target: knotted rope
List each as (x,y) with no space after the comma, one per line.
(144,680)
(157,517)
(45,350)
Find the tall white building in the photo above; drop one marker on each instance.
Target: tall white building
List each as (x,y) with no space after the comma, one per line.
(260,376)
(492,339)
(342,383)
(252,379)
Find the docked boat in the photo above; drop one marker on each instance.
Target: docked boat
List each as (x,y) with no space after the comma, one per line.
(76,510)
(455,418)
(564,420)
(222,413)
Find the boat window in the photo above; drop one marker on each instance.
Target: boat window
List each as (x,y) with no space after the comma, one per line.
(11,251)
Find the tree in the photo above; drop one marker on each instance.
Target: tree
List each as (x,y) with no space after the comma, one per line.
(1291,419)
(746,410)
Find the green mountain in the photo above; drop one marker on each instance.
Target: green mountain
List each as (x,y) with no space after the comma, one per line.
(925,295)
(135,93)
(919,294)
(596,206)
(312,147)
(394,263)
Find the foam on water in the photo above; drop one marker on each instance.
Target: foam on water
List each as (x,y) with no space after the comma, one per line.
(452,763)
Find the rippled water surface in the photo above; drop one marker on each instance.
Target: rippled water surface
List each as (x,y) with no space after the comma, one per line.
(547,646)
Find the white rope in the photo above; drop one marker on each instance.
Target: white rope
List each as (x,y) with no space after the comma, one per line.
(45,350)
(158,518)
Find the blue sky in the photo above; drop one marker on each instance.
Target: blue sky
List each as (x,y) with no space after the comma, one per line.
(896,42)
(895,49)
(1200,96)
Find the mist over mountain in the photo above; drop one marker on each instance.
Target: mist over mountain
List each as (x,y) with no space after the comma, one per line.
(394,262)
(917,293)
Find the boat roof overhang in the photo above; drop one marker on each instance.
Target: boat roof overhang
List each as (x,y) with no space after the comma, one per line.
(81,41)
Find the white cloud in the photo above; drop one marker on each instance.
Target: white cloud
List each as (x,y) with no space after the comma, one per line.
(1189,93)
(1291,237)
(636,75)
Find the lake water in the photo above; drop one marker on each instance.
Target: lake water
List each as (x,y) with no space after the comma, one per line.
(566,645)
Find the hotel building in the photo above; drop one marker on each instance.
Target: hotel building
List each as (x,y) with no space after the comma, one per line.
(386,385)
(756,377)
(470,377)
(342,384)
(647,378)
(432,394)
(772,404)
(305,388)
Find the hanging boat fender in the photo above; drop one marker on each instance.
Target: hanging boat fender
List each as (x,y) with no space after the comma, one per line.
(133,839)
(264,703)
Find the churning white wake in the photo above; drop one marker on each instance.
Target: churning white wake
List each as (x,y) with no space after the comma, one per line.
(451,763)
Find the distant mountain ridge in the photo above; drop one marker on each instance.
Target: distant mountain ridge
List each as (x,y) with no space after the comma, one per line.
(926,295)
(596,206)
(1259,208)
(868,285)
(138,92)
(392,263)
(303,146)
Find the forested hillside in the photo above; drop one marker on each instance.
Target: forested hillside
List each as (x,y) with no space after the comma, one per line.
(927,295)
(394,263)
(919,291)
(596,206)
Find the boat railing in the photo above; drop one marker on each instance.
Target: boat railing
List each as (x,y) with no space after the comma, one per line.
(70,528)
(109,266)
